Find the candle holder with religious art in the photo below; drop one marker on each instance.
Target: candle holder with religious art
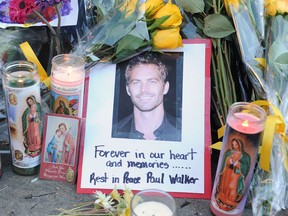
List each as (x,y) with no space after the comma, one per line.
(21,85)
(243,134)
(152,202)
(67,85)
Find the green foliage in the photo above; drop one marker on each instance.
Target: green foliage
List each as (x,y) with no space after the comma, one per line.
(129,46)
(192,6)
(217,26)
(212,22)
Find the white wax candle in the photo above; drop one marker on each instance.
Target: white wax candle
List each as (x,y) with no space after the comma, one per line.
(70,77)
(152,208)
(67,84)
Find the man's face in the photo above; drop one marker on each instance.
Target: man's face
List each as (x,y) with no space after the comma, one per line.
(146,88)
(62,129)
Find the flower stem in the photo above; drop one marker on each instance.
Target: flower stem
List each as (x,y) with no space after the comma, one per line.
(57,40)
(59,19)
(45,21)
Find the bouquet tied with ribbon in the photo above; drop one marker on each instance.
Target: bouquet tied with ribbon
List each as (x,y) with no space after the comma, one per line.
(263,42)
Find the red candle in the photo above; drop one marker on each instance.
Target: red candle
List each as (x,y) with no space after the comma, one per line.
(245,124)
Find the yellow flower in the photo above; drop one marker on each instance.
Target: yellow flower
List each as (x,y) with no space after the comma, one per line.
(152,6)
(115,195)
(175,18)
(229,3)
(129,6)
(128,194)
(167,38)
(282,6)
(270,7)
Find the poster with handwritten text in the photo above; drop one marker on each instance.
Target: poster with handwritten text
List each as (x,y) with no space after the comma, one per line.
(148,123)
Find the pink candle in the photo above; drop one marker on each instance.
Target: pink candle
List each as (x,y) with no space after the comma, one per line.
(245,123)
(67,85)
(237,159)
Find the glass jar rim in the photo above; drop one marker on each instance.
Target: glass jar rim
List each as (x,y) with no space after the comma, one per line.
(18,65)
(234,108)
(68,60)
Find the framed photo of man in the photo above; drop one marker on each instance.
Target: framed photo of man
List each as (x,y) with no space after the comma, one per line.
(148,123)
(148,88)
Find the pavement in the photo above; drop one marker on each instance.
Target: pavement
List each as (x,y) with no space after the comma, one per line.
(28,195)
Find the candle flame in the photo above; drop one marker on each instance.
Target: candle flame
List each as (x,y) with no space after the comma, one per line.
(245,123)
(20,83)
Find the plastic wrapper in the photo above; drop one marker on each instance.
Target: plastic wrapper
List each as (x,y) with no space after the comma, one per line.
(263,45)
(269,189)
(121,33)
(249,25)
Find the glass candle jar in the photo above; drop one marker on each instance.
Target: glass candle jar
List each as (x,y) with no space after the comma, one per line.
(152,202)
(67,85)
(21,85)
(243,134)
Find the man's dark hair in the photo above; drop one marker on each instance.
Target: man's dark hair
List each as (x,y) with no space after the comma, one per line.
(147,58)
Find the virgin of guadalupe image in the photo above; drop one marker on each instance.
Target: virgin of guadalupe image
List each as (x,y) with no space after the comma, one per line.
(234,169)
(32,127)
(62,109)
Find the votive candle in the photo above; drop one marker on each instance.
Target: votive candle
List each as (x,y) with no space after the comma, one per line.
(67,84)
(21,85)
(153,202)
(243,133)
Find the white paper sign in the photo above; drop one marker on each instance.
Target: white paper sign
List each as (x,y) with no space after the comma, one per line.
(180,166)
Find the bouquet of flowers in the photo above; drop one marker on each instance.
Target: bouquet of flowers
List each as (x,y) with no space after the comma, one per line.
(270,191)
(269,77)
(105,204)
(132,27)
(249,24)
(208,19)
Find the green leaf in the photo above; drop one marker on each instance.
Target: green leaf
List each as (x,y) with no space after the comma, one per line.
(158,22)
(192,6)
(282,59)
(128,46)
(217,26)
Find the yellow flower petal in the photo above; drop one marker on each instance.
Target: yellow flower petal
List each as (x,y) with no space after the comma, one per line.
(231,3)
(167,38)
(282,6)
(115,195)
(152,6)
(128,194)
(270,7)
(175,18)
(129,7)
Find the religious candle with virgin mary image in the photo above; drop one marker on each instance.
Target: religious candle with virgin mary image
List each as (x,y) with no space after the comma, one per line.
(243,134)
(67,85)
(21,85)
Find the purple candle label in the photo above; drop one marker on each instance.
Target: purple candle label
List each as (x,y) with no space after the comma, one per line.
(235,167)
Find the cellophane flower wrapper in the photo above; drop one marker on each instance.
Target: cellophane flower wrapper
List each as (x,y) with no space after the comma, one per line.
(249,24)
(120,34)
(10,51)
(269,190)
